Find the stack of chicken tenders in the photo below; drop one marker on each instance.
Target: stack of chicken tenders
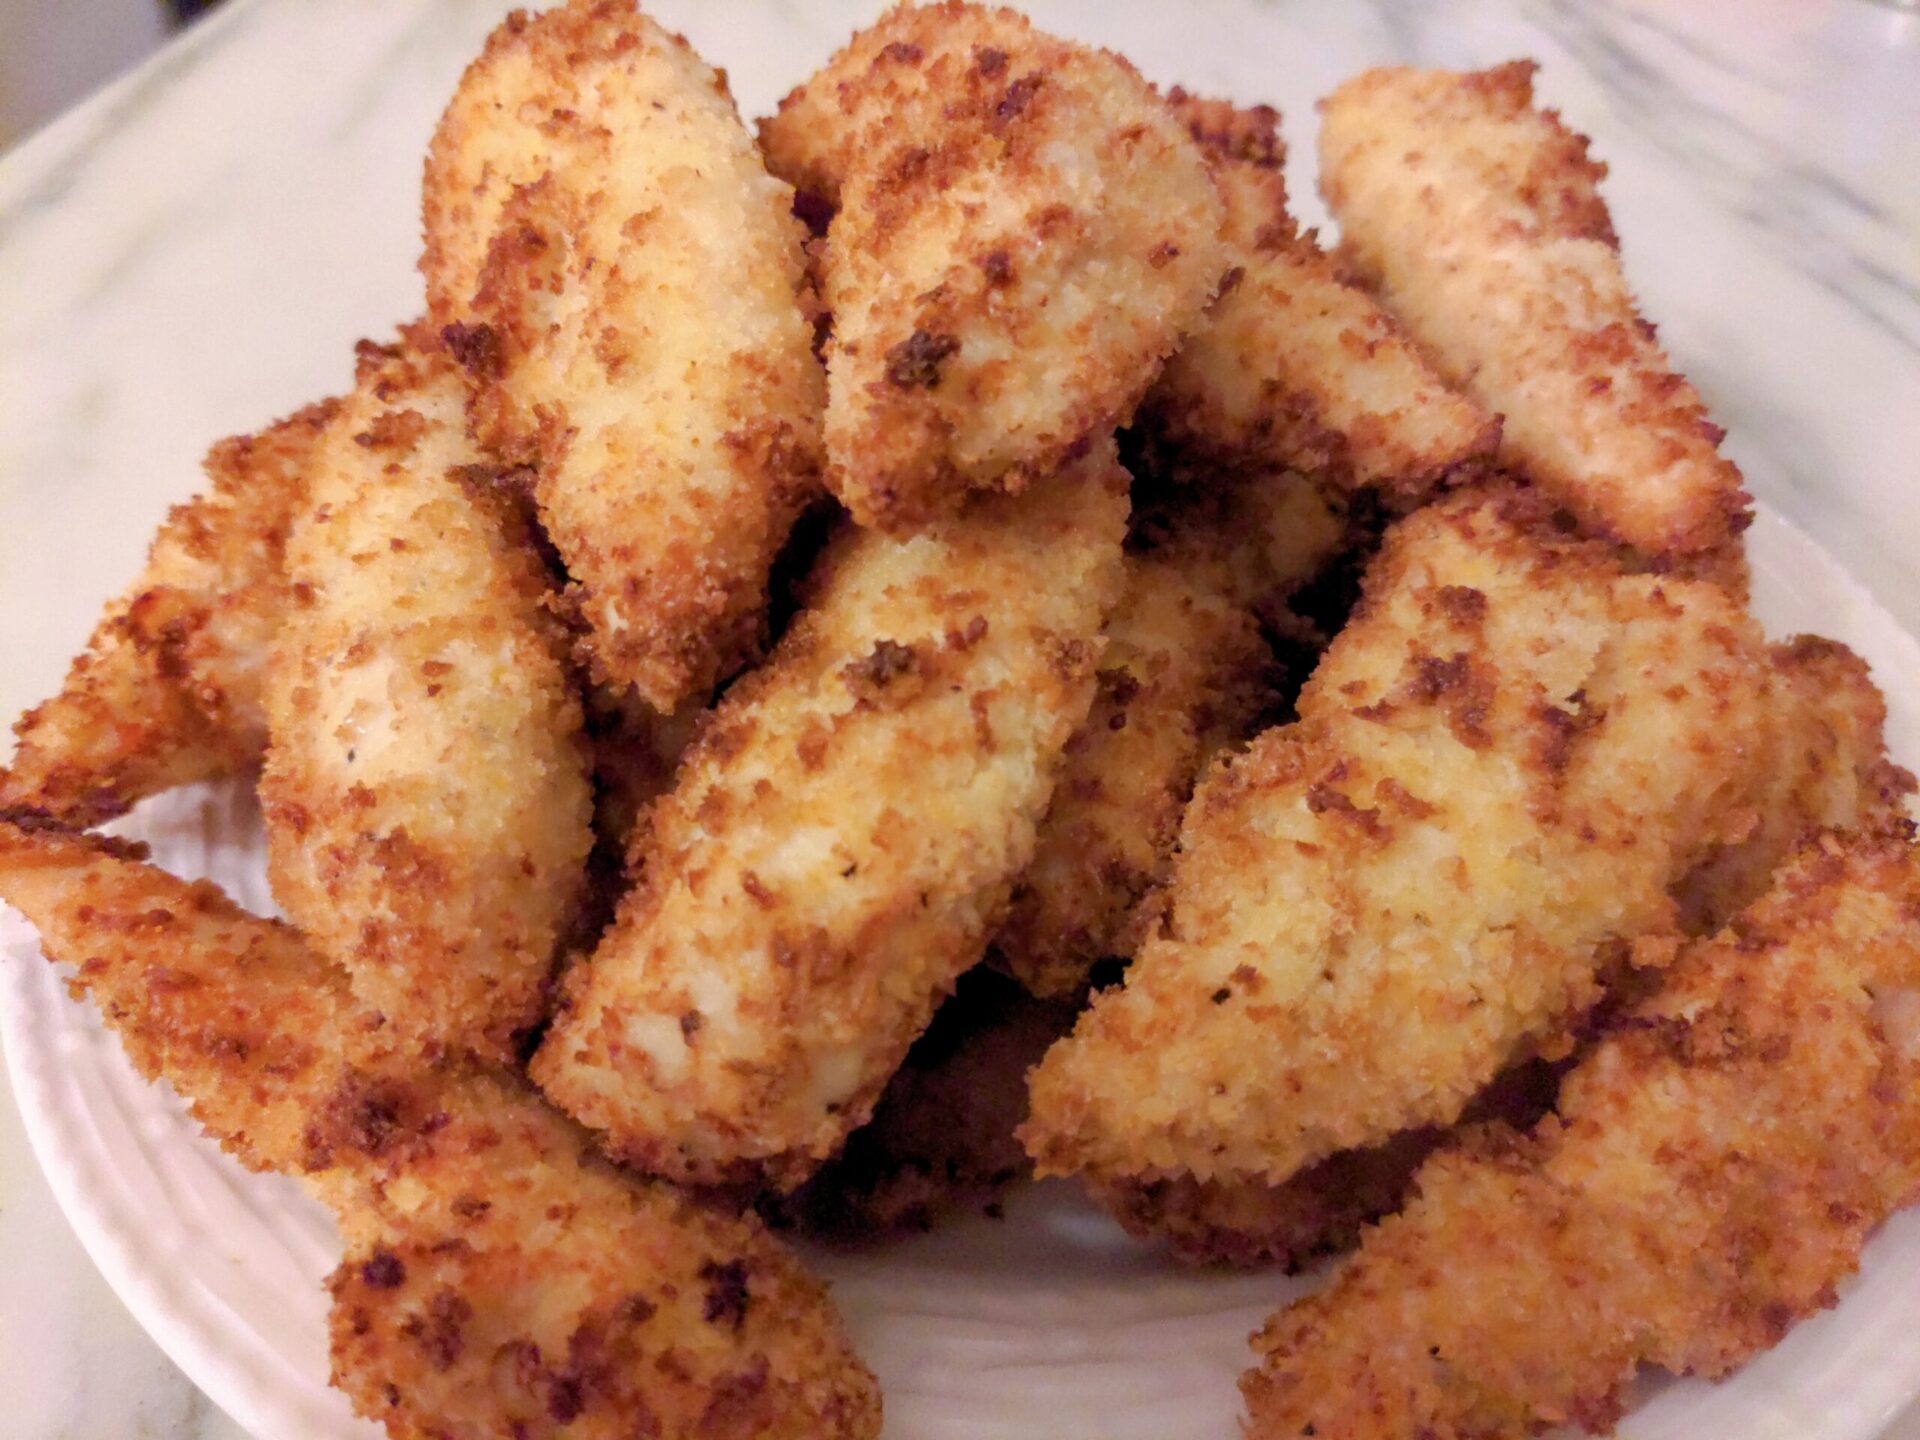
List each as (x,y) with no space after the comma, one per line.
(949,638)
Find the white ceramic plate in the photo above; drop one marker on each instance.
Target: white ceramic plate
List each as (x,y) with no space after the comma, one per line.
(1048,1323)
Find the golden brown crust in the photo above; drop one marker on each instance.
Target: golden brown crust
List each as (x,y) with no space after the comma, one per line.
(426,794)
(842,838)
(1714,1168)
(1356,940)
(624,283)
(1478,219)
(1024,232)
(170,687)
(1294,367)
(1185,673)
(498,1278)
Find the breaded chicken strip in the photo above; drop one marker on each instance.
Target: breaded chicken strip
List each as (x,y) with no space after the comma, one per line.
(170,687)
(1714,1169)
(1478,219)
(1293,367)
(942,1135)
(1186,671)
(624,282)
(426,791)
(1501,765)
(1827,768)
(499,1279)
(1024,233)
(841,841)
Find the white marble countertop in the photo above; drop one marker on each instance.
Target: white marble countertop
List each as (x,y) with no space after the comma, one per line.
(195,249)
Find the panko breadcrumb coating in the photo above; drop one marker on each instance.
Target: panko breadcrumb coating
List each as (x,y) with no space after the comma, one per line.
(426,794)
(1186,671)
(1827,768)
(942,1135)
(1292,366)
(624,282)
(1713,1170)
(1502,764)
(170,688)
(499,1279)
(1478,218)
(1024,233)
(842,838)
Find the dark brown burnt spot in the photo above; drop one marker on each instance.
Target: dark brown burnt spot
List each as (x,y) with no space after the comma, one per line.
(1163,254)
(903,52)
(726,1300)
(997,266)
(1461,604)
(383,1270)
(1011,105)
(989,61)
(1117,684)
(970,635)
(397,430)
(1561,730)
(881,667)
(690,1024)
(475,348)
(756,889)
(1465,692)
(1324,799)
(915,362)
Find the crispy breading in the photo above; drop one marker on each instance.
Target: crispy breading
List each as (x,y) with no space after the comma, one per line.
(842,839)
(1827,769)
(1294,367)
(1243,1222)
(942,1135)
(426,792)
(624,282)
(1186,671)
(1713,1170)
(170,687)
(1024,233)
(499,1278)
(1479,220)
(1501,765)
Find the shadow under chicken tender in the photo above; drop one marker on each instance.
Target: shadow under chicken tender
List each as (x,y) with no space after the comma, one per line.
(1501,766)
(942,1135)
(1024,232)
(842,838)
(171,687)
(1186,671)
(1479,220)
(425,792)
(624,283)
(1292,366)
(499,1279)
(1712,1172)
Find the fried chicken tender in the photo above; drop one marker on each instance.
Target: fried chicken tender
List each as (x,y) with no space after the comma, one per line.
(1827,769)
(1292,366)
(1501,765)
(1478,219)
(1714,1168)
(942,1135)
(499,1278)
(1024,233)
(842,838)
(624,282)
(170,687)
(426,792)
(1186,671)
